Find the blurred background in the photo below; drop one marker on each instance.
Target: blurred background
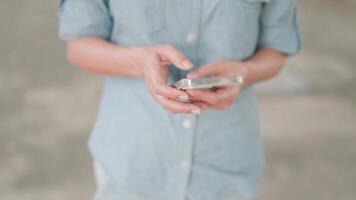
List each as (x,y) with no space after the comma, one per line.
(47,108)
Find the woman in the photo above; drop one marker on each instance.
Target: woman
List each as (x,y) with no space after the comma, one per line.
(152,141)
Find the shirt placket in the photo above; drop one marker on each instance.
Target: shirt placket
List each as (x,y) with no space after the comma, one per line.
(186,131)
(192,34)
(187,122)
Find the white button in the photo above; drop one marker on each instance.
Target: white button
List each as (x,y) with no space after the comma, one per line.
(184,164)
(187,124)
(190,38)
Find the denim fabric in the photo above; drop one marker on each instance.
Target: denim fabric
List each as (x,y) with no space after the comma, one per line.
(151,154)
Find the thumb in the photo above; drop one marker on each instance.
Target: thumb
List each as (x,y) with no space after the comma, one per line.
(175,57)
(204,71)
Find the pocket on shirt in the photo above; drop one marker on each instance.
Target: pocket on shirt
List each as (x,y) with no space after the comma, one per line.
(138,16)
(240,28)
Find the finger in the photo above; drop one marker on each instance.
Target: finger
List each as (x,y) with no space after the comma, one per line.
(228,93)
(165,63)
(201,104)
(221,106)
(156,82)
(214,97)
(175,56)
(177,107)
(210,69)
(209,97)
(170,92)
(164,59)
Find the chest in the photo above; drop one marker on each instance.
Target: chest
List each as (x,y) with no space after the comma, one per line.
(153,15)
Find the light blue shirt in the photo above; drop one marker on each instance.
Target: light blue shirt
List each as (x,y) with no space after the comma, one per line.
(151,154)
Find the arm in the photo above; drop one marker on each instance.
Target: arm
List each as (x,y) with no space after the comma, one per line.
(100,56)
(278,37)
(265,64)
(87,25)
(150,63)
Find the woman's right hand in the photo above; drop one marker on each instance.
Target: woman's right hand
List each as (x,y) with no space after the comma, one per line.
(152,65)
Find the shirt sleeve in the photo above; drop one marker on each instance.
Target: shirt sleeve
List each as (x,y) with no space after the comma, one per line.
(279,27)
(79,18)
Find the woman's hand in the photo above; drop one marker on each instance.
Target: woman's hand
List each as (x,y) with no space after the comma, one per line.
(265,64)
(102,57)
(152,65)
(223,97)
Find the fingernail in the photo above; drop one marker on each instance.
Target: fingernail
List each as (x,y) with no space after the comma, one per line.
(187,64)
(195,112)
(192,75)
(190,92)
(183,98)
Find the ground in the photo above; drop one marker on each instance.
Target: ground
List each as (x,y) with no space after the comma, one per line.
(308,112)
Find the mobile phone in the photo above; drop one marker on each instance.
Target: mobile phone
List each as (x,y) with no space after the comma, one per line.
(207,83)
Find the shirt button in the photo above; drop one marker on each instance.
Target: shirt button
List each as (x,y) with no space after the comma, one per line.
(187,124)
(190,38)
(184,164)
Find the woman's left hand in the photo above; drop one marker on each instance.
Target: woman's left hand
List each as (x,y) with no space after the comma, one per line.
(223,97)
